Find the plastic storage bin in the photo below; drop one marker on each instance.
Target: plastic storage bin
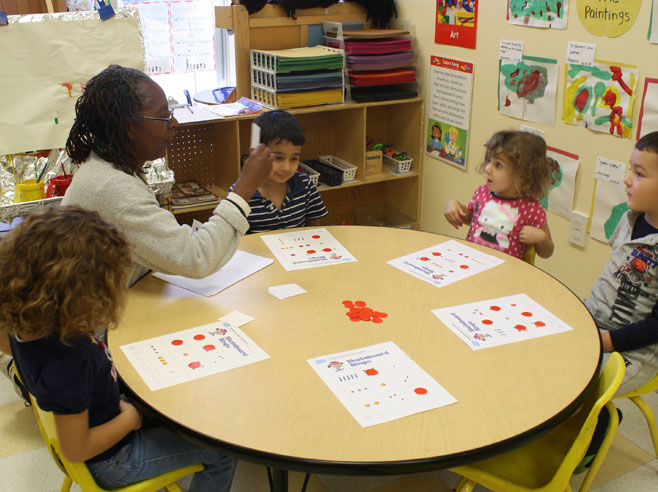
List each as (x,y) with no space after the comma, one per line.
(400,167)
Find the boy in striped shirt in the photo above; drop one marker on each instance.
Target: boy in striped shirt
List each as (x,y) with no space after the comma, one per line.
(287,198)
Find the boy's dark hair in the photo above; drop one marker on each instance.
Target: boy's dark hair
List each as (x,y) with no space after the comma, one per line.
(277,126)
(649,142)
(103,117)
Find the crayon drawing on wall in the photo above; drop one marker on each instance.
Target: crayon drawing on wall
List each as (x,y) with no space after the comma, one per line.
(560,195)
(648,121)
(610,198)
(600,97)
(538,13)
(527,88)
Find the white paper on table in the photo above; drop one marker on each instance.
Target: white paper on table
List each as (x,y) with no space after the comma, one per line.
(380,383)
(240,266)
(308,248)
(285,291)
(191,354)
(445,263)
(500,321)
(236,318)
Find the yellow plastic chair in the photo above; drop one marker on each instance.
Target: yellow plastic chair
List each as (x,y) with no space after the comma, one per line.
(529,254)
(636,397)
(79,473)
(547,463)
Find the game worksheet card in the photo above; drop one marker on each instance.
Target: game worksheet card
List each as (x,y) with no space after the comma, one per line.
(380,383)
(191,354)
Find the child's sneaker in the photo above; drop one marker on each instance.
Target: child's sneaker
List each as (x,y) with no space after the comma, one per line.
(597,439)
(7,368)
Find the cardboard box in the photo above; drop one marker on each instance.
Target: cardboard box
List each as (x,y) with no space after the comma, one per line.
(373,162)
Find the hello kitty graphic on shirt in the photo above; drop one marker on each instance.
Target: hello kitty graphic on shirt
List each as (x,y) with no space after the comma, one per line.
(495,223)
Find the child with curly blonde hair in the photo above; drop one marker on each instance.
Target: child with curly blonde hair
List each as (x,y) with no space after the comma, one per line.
(505,213)
(65,278)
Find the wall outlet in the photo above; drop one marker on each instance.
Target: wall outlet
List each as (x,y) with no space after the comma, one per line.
(578,230)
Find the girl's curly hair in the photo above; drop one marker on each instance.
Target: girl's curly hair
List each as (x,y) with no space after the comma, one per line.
(103,116)
(526,153)
(65,275)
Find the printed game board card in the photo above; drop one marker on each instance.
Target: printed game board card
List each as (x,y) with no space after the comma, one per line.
(500,321)
(445,263)
(191,354)
(380,383)
(239,267)
(308,248)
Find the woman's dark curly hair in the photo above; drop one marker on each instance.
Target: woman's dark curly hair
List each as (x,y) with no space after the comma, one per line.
(103,115)
(65,273)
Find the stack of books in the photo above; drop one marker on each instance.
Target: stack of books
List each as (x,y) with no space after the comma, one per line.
(189,194)
(297,77)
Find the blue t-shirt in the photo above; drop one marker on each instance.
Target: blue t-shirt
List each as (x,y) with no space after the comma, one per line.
(68,380)
(302,202)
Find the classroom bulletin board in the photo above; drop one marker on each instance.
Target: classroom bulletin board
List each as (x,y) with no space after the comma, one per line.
(50,58)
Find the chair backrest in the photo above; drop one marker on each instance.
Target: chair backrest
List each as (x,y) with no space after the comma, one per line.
(529,254)
(584,422)
(77,472)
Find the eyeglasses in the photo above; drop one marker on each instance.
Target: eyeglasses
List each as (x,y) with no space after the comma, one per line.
(168,119)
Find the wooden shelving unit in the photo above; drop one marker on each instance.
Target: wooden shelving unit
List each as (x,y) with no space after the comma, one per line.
(210,152)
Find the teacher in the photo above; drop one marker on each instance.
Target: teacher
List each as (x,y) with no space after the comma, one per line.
(122,120)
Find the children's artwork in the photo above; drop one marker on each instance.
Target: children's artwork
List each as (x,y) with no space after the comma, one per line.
(610,18)
(240,266)
(39,87)
(653,24)
(191,354)
(609,198)
(451,87)
(445,263)
(527,88)
(600,97)
(495,322)
(538,13)
(307,248)
(648,121)
(380,383)
(456,22)
(560,194)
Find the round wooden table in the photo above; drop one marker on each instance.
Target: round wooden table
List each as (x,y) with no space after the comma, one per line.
(278,412)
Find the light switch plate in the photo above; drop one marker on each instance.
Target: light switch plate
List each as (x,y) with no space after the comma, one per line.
(578,230)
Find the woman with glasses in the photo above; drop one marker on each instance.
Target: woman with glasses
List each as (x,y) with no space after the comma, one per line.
(122,121)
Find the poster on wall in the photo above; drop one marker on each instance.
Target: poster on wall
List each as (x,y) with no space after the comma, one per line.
(610,18)
(653,24)
(600,97)
(609,203)
(179,37)
(527,89)
(449,118)
(648,121)
(538,13)
(560,194)
(456,22)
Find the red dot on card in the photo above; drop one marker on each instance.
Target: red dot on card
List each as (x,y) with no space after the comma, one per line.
(208,348)
(360,303)
(311,251)
(377,320)
(436,253)
(495,308)
(371,372)
(315,236)
(194,365)
(420,391)
(326,250)
(424,258)
(487,322)
(177,342)
(463,267)
(527,314)
(520,327)
(301,245)
(540,323)
(292,254)
(199,337)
